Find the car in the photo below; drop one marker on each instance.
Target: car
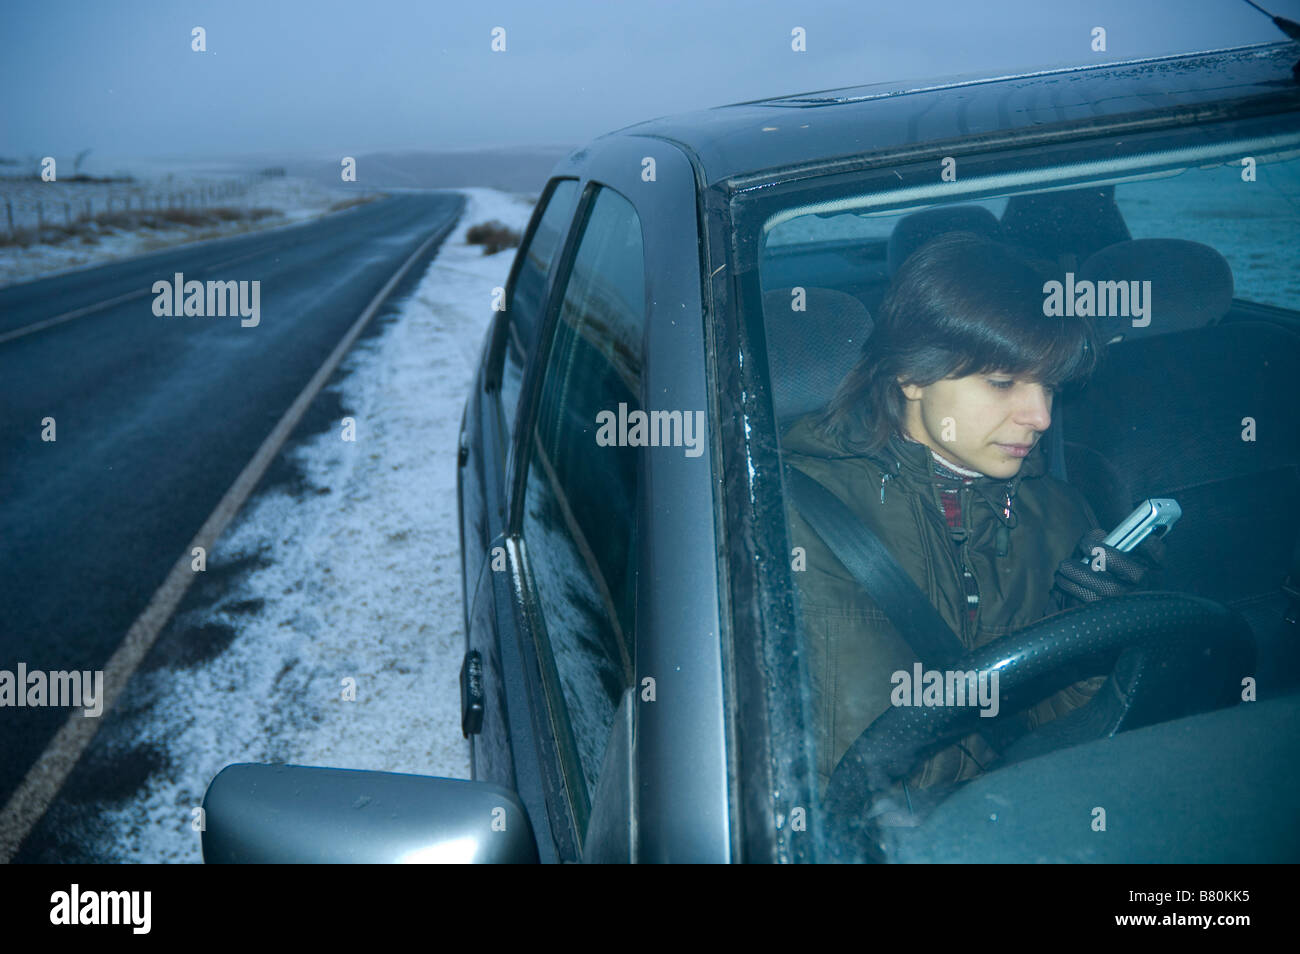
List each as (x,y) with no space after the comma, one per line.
(635,686)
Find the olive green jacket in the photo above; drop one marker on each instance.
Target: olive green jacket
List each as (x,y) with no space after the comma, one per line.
(852,647)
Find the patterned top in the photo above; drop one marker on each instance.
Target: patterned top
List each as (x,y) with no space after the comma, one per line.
(951,500)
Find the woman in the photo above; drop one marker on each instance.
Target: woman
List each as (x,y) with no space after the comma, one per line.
(933,440)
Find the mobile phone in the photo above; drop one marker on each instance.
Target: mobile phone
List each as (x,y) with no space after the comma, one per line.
(1155,515)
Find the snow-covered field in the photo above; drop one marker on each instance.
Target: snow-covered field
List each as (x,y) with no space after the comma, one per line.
(289,199)
(361,582)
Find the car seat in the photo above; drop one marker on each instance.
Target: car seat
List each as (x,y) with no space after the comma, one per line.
(914,230)
(810,352)
(1166,415)
(1066,226)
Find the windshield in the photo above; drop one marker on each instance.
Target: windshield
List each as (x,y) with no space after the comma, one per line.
(977,370)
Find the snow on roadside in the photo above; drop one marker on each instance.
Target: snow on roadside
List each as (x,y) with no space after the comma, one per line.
(362,582)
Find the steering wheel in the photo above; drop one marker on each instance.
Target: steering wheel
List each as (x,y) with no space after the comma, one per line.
(1177,655)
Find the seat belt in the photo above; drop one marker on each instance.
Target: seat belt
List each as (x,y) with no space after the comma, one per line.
(878,572)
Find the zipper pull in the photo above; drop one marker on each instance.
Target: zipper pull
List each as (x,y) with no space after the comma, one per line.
(884,478)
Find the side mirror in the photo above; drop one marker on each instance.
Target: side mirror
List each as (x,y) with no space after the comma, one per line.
(297,814)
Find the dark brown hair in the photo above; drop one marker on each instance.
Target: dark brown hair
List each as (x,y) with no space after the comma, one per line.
(961,304)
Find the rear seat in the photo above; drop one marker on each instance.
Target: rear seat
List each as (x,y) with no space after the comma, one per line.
(1066,226)
(914,230)
(810,352)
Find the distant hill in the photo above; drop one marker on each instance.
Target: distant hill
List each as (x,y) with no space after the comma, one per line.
(524,170)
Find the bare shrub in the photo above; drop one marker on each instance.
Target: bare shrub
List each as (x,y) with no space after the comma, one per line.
(493,236)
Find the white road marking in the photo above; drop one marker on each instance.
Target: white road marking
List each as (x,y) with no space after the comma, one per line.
(47,774)
(68,316)
(100,306)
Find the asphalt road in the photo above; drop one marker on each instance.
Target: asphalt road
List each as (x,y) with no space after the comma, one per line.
(155,417)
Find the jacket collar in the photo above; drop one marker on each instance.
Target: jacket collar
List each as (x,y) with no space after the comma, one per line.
(916,460)
(912,464)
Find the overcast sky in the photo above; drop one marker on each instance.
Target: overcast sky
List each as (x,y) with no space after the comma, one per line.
(327,77)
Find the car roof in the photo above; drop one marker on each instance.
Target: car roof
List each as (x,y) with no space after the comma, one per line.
(748,142)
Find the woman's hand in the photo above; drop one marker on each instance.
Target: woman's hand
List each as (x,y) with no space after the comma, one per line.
(1123,573)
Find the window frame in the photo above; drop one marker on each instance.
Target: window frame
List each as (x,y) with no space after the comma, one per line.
(578,802)
(495,366)
(530,391)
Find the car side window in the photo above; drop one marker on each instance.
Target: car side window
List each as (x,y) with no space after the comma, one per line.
(579,523)
(527,296)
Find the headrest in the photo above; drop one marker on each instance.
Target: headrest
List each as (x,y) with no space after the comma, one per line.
(1191,284)
(809,352)
(914,230)
(1073,222)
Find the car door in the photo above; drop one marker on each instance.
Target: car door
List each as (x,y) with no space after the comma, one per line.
(502,746)
(573,528)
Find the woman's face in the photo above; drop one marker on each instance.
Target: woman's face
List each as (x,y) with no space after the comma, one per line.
(984,422)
